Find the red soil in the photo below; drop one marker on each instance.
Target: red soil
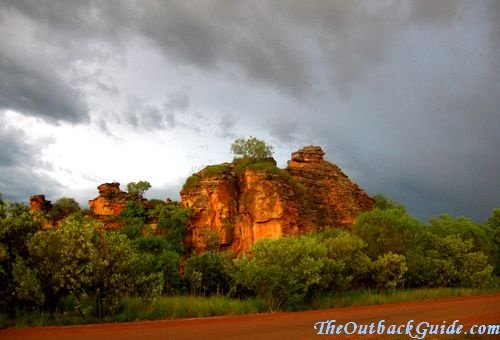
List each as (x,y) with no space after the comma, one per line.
(483,309)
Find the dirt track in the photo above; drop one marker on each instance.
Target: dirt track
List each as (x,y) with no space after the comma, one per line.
(468,310)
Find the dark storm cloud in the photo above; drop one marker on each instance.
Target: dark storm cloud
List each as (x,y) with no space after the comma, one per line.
(35,92)
(18,164)
(418,122)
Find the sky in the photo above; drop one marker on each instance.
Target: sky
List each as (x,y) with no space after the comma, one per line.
(403,95)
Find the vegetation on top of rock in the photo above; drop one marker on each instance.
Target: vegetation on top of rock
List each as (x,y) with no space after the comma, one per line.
(63,207)
(137,189)
(270,168)
(191,182)
(252,148)
(215,170)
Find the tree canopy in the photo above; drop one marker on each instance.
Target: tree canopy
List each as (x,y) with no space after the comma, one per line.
(137,189)
(252,148)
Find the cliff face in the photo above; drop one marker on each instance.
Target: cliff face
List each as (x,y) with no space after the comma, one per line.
(241,205)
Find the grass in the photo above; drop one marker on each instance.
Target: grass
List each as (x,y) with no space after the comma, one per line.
(370,297)
(191,182)
(215,170)
(177,307)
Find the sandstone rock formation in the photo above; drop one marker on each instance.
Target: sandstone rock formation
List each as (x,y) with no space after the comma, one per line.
(38,203)
(110,201)
(243,204)
(42,208)
(109,204)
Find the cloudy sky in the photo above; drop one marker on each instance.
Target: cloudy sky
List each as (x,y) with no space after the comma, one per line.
(403,95)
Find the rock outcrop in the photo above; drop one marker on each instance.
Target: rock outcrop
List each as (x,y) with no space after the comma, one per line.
(109,204)
(337,200)
(242,204)
(38,203)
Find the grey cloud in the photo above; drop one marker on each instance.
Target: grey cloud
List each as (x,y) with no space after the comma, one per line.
(18,164)
(35,92)
(140,114)
(283,128)
(278,43)
(226,126)
(439,13)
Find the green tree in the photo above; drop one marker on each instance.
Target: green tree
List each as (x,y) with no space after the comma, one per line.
(168,263)
(133,217)
(447,261)
(172,220)
(493,223)
(17,226)
(64,206)
(389,230)
(382,203)
(64,259)
(286,270)
(251,148)
(389,270)
(120,271)
(349,250)
(482,236)
(137,189)
(206,274)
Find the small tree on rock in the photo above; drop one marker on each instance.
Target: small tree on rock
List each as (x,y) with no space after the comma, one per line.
(137,189)
(251,148)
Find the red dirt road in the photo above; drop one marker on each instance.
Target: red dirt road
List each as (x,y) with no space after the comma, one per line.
(483,309)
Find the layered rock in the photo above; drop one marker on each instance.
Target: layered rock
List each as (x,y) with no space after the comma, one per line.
(243,204)
(336,199)
(109,204)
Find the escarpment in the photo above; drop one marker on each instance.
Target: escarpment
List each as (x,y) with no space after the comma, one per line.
(242,203)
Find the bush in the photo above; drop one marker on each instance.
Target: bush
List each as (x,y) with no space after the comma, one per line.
(286,270)
(389,270)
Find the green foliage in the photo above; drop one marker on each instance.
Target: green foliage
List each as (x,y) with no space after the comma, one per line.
(389,270)
(121,271)
(214,170)
(285,270)
(493,223)
(168,263)
(390,230)
(348,249)
(210,239)
(206,274)
(28,288)
(252,148)
(482,236)
(191,182)
(269,168)
(133,217)
(137,189)
(64,206)
(382,203)
(63,258)
(448,261)
(16,228)
(172,220)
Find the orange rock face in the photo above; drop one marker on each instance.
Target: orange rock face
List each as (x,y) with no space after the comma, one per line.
(242,206)
(110,201)
(109,204)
